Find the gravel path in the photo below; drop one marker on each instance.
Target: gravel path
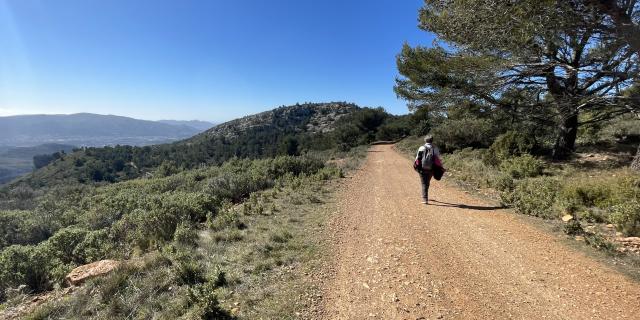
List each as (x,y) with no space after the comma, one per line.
(459,258)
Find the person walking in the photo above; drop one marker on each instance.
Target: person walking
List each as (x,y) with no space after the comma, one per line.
(427,159)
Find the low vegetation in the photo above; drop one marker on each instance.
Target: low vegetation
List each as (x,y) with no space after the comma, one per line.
(208,243)
(598,191)
(200,241)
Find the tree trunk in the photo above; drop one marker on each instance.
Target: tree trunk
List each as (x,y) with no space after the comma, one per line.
(635,165)
(566,141)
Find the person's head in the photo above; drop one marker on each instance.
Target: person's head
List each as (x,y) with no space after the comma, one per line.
(428,139)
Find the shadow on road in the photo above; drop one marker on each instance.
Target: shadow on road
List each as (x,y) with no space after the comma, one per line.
(463,206)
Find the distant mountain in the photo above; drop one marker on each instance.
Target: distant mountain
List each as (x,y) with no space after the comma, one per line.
(86,129)
(16,161)
(196,124)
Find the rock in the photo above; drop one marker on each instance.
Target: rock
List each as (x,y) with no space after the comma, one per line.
(633,240)
(610,226)
(567,218)
(83,273)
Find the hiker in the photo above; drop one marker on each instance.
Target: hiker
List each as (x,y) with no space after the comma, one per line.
(428,165)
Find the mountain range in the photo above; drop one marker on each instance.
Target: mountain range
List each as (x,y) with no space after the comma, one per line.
(86,129)
(196,124)
(26,136)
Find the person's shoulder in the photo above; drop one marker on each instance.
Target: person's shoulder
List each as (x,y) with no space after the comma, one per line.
(422,148)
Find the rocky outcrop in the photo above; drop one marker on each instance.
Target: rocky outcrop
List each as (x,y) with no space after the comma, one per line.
(83,273)
(309,117)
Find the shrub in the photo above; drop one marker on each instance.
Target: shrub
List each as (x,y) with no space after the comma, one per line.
(467,167)
(235,186)
(625,130)
(207,304)
(579,194)
(186,235)
(525,166)
(535,197)
(25,265)
(190,272)
(503,182)
(22,227)
(467,132)
(95,246)
(63,244)
(603,199)
(599,242)
(392,131)
(510,144)
(626,217)
(226,217)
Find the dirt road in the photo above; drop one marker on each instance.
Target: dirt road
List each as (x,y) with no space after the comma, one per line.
(459,258)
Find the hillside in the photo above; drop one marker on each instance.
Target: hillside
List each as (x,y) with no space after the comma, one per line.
(86,129)
(310,118)
(288,130)
(16,161)
(202,223)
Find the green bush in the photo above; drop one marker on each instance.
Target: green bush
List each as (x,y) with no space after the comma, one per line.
(626,217)
(580,194)
(22,227)
(525,166)
(625,130)
(96,246)
(62,245)
(535,197)
(467,167)
(226,217)
(28,265)
(605,198)
(463,133)
(503,182)
(186,235)
(510,144)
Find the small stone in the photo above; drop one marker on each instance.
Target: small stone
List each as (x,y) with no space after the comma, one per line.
(567,218)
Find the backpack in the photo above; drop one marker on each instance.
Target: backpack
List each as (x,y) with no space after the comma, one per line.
(427,158)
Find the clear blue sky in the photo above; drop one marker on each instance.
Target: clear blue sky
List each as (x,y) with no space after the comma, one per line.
(211,60)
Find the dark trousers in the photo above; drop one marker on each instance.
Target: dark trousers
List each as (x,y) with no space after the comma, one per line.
(425,179)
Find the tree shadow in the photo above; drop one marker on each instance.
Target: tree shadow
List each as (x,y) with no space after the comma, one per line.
(464,206)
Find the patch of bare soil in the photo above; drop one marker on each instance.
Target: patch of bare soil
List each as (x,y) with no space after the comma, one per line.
(457,258)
